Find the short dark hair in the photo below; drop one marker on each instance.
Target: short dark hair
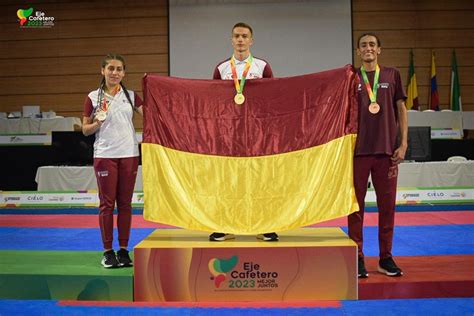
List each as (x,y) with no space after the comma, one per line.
(379,44)
(244,25)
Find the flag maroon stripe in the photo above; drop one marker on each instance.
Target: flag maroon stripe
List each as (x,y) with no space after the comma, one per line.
(280,115)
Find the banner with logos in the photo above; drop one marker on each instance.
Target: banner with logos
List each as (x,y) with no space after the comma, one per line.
(90,198)
(437,195)
(24,139)
(446,133)
(57,199)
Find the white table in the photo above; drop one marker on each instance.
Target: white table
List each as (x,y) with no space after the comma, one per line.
(38,125)
(436,119)
(436,174)
(68,178)
(411,174)
(468,120)
(444,124)
(442,119)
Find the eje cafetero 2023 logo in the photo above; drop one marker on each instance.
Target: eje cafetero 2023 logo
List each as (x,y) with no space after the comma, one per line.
(219,269)
(37,20)
(250,276)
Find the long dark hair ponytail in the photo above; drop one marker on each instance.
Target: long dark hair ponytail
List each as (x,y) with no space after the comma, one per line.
(107,60)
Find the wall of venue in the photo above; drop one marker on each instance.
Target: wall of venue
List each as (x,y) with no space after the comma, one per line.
(423,25)
(56,67)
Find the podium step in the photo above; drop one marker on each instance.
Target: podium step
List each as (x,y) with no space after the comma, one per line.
(424,277)
(306,264)
(62,275)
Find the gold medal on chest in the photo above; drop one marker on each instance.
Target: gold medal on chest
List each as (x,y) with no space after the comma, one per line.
(239,98)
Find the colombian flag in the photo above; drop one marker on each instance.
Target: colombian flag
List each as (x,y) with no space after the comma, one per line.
(281,160)
(434,97)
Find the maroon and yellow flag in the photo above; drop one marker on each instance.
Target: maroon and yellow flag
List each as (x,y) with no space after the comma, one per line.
(281,160)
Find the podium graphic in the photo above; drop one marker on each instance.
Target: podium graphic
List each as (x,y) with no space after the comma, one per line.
(306,264)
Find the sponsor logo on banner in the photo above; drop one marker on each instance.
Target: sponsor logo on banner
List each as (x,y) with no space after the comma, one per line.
(55,198)
(16,139)
(138,199)
(446,133)
(439,195)
(34,198)
(458,194)
(82,198)
(11,198)
(408,196)
(435,194)
(19,140)
(249,275)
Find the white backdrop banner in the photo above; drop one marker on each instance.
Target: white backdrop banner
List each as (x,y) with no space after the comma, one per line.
(9,199)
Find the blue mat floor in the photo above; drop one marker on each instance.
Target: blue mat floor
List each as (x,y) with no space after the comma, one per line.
(432,307)
(408,240)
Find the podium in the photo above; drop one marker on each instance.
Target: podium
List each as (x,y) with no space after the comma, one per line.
(306,264)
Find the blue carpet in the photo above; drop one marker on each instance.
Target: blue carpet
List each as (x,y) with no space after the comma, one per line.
(428,208)
(408,307)
(408,240)
(432,307)
(423,240)
(61,238)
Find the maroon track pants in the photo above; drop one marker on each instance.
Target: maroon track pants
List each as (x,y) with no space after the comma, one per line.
(116,181)
(384,177)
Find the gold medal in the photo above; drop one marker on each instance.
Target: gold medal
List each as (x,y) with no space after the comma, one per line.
(101,115)
(374,108)
(239,86)
(239,98)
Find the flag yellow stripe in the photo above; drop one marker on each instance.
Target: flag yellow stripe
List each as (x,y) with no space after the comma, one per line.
(249,195)
(412,92)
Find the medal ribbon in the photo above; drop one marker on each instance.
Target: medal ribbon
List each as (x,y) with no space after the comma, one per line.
(104,102)
(239,87)
(372,93)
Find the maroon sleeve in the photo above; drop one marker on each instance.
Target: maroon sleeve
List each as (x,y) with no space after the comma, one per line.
(88,107)
(217,74)
(138,101)
(399,90)
(267,71)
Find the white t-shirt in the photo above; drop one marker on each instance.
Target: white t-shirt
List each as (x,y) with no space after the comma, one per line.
(116,136)
(258,69)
